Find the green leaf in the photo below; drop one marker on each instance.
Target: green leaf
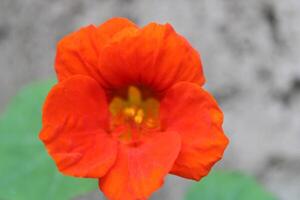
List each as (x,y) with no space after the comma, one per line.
(227,186)
(26,170)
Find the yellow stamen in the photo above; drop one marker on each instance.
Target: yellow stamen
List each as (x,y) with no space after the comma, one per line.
(133,115)
(116,106)
(134,96)
(129,111)
(139,116)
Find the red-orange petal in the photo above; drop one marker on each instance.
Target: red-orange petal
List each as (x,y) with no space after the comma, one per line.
(75,116)
(111,27)
(195,115)
(154,56)
(139,170)
(78,52)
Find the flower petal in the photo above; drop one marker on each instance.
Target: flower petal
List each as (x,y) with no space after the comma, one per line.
(78,52)
(109,28)
(154,56)
(195,115)
(139,169)
(75,117)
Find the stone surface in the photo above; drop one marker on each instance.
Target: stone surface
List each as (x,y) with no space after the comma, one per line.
(250,51)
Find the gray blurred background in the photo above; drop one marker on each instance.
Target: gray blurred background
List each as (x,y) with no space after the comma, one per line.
(251,56)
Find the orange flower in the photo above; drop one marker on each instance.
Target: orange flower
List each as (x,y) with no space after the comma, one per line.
(129,109)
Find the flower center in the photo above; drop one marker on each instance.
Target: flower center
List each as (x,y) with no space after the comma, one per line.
(133,115)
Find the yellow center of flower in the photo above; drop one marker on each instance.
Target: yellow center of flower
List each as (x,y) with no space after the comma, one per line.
(134,115)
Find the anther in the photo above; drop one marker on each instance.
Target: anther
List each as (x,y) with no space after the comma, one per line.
(139,116)
(130,112)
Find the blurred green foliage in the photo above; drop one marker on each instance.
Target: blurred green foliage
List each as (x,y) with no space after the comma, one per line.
(221,185)
(26,171)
